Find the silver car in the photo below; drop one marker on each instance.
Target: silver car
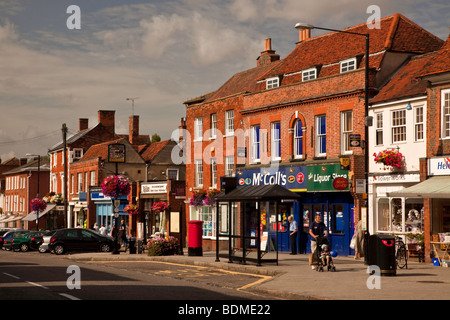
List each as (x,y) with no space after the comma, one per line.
(45,241)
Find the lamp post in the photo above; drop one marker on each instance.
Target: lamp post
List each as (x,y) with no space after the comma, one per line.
(38,178)
(367,123)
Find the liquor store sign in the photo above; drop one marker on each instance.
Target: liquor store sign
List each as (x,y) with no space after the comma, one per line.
(327,178)
(297,179)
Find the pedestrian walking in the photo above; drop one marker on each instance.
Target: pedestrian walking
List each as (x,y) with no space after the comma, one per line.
(293,229)
(103,230)
(359,241)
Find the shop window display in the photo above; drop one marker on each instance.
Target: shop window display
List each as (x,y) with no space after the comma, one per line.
(400,215)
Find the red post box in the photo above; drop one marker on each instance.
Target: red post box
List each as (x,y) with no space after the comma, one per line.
(195,247)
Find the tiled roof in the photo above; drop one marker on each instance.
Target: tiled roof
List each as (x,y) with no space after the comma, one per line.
(405,83)
(396,33)
(441,62)
(241,82)
(11,162)
(44,166)
(99,150)
(154,149)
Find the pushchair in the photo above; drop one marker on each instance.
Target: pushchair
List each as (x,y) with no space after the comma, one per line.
(321,241)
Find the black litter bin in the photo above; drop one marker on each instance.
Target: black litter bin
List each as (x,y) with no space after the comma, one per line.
(382,253)
(132,245)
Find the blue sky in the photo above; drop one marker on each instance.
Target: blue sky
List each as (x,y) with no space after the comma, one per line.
(164,52)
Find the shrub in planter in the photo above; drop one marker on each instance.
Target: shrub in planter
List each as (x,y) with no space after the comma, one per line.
(163,246)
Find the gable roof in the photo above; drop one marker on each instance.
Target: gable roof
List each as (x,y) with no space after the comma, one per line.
(153,150)
(241,82)
(440,63)
(396,34)
(100,150)
(44,166)
(404,83)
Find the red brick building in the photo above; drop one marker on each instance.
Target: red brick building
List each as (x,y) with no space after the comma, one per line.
(291,121)
(21,186)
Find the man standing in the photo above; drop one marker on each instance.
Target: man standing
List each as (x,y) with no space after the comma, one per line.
(317,229)
(293,229)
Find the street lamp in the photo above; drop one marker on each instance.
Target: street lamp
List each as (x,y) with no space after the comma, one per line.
(38,178)
(365,145)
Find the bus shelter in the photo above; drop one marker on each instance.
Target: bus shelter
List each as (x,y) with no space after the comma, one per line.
(247,230)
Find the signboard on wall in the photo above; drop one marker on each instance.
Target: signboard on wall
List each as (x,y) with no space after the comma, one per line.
(319,178)
(152,188)
(439,166)
(292,178)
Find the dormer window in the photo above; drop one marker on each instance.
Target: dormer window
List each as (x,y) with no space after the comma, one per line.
(348,65)
(272,83)
(309,74)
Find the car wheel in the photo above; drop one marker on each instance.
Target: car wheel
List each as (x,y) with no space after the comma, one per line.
(104,247)
(24,247)
(59,249)
(42,250)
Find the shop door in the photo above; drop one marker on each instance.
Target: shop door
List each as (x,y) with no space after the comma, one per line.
(336,217)
(283,211)
(339,228)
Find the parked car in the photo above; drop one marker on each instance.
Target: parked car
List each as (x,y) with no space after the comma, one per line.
(44,241)
(22,242)
(8,238)
(37,239)
(4,233)
(76,239)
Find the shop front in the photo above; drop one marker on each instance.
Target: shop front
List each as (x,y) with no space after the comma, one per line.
(155,221)
(323,189)
(427,205)
(104,209)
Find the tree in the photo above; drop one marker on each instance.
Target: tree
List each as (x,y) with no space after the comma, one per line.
(156,138)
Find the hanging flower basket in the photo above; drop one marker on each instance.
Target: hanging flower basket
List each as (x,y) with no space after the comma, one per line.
(159,206)
(116,186)
(132,209)
(389,158)
(53,197)
(38,204)
(198,198)
(210,199)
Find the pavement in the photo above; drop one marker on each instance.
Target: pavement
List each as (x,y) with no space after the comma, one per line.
(294,279)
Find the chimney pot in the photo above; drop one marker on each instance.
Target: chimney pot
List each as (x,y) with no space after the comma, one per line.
(304,34)
(268,55)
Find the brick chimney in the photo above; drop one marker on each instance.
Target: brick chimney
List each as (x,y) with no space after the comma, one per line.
(83,124)
(106,118)
(133,135)
(268,55)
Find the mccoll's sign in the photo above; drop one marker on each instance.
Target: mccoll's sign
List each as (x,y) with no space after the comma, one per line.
(297,179)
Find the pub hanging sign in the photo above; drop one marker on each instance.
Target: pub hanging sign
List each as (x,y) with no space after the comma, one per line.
(116,153)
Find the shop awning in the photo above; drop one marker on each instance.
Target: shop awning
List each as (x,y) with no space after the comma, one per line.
(11,218)
(32,215)
(434,187)
(265,192)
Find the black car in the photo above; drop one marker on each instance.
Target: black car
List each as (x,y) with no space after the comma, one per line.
(76,239)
